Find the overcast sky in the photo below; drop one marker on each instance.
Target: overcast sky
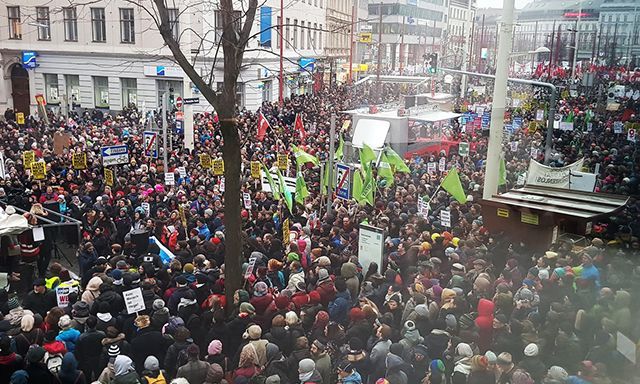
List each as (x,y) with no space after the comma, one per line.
(498,3)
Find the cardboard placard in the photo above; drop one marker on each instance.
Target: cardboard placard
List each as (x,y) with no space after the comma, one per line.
(283,161)
(133,300)
(218,167)
(205,160)
(255,170)
(28,157)
(169,178)
(79,161)
(62,296)
(108,177)
(39,170)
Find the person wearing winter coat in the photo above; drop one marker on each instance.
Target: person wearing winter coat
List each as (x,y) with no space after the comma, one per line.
(152,373)
(182,340)
(92,290)
(69,372)
(462,363)
(349,271)
(36,367)
(347,374)
(28,335)
(307,372)
(147,341)
(323,361)
(411,338)
(532,363)
(339,307)
(215,375)
(124,371)
(325,287)
(89,349)
(394,374)
(68,335)
(9,360)
(480,373)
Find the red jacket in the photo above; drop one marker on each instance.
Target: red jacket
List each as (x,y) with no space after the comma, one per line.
(300,299)
(327,292)
(261,303)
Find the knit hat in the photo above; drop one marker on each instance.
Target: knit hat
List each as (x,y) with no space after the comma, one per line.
(421,349)
(464,349)
(451,321)
(504,358)
(116,274)
(188,268)
(247,308)
(13,303)
(543,274)
(306,366)
(158,304)
(253,332)
(322,275)
(355,346)
(345,366)
(319,345)
(436,366)
(531,350)
(80,309)
(491,357)
(422,310)
(114,350)
(323,261)
(181,280)
(35,354)
(356,314)
(479,362)
(260,289)
(557,373)
(151,363)
(64,322)
(282,301)
(214,348)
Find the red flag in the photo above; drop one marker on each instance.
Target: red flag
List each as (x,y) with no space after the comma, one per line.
(298,126)
(263,124)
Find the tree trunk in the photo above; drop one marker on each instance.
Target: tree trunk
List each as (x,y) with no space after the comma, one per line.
(233,257)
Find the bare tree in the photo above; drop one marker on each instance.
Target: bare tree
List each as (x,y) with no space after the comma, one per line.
(233,42)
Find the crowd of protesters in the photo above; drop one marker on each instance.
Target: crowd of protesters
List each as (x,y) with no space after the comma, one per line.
(446,305)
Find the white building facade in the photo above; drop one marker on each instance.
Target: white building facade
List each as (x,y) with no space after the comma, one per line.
(109,54)
(460,28)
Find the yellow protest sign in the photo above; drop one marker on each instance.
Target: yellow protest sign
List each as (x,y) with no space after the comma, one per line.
(346,125)
(108,177)
(285,232)
(218,167)
(39,170)
(205,160)
(283,161)
(20,118)
(79,161)
(28,157)
(255,169)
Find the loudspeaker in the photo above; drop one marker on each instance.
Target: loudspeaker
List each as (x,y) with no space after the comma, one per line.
(140,241)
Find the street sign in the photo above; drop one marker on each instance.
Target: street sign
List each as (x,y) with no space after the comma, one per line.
(151,144)
(191,100)
(343,181)
(179,103)
(366,37)
(115,154)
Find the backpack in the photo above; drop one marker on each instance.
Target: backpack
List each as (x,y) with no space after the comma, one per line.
(182,358)
(54,362)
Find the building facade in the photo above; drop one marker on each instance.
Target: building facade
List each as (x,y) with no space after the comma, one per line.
(460,28)
(338,42)
(109,54)
(410,29)
(620,37)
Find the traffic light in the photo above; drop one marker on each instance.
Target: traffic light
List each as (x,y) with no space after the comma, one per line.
(432,63)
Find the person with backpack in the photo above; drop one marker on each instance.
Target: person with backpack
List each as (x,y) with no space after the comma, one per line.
(36,368)
(124,371)
(54,351)
(69,372)
(195,370)
(10,361)
(177,353)
(89,348)
(152,373)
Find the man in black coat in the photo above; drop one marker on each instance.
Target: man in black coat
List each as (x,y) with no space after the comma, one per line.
(40,300)
(180,292)
(147,342)
(89,349)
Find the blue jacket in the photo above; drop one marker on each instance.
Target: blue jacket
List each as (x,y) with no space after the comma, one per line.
(339,307)
(353,378)
(69,337)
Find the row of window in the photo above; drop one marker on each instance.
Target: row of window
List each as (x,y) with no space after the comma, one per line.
(406,10)
(70,22)
(294,35)
(128,89)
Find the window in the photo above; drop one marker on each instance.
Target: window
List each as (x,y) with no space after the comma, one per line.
(315,36)
(129,92)
(44,24)
(51,88)
(219,23)
(98,25)
(287,33)
(320,37)
(295,33)
(127,30)
(70,24)
(174,22)
(73,89)
(277,39)
(309,36)
(266,90)
(15,27)
(101,91)
(302,34)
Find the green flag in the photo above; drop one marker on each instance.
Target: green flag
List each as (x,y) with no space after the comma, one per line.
(288,199)
(396,161)
(452,184)
(384,170)
(303,157)
(368,186)
(324,181)
(338,155)
(275,189)
(357,187)
(301,189)
(367,155)
(502,176)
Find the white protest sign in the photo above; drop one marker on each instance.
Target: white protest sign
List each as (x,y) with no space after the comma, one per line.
(222,184)
(534,153)
(147,208)
(521,179)
(431,167)
(133,300)
(540,114)
(252,265)
(445,218)
(182,171)
(246,198)
(169,179)
(558,177)
(370,245)
(514,146)
(566,126)
(631,135)
(62,296)
(618,127)
(442,164)
(626,347)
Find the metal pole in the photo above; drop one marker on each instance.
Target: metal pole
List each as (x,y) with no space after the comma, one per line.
(165,103)
(379,53)
(402,46)
(576,42)
(332,149)
(552,103)
(499,101)
(463,87)
(353,25)
(281,77)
